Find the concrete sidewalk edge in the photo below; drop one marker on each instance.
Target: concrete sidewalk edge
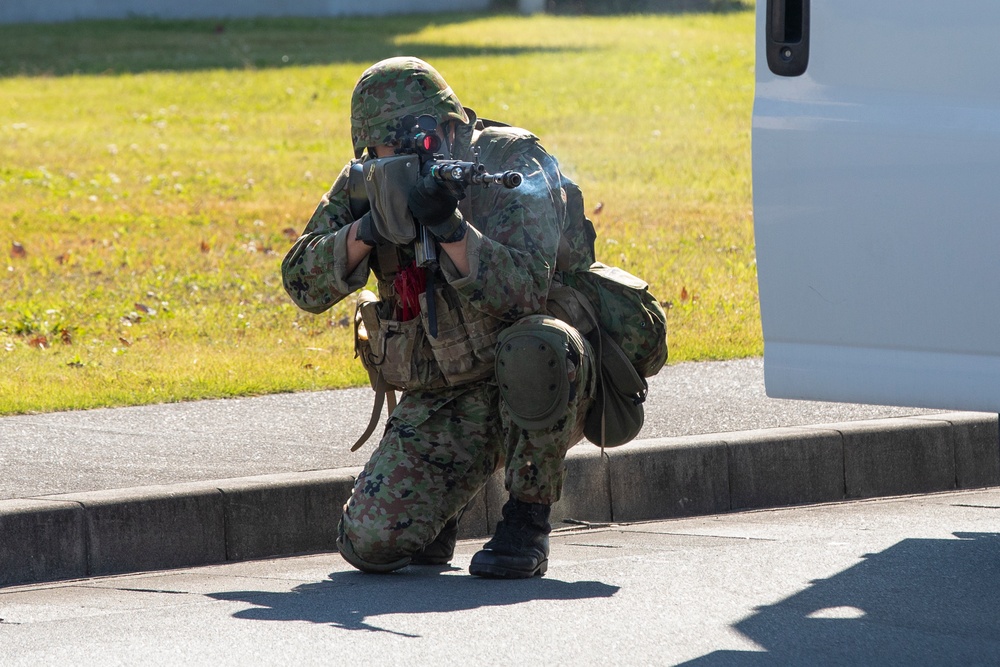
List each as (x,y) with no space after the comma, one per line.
(78,535)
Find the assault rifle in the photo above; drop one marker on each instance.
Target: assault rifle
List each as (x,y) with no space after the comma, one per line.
(419,137)
(422,140)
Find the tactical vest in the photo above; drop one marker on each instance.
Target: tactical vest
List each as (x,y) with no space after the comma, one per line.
(450,343)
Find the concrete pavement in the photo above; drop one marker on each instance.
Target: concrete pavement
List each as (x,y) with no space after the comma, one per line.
(97,450)
(105,491)
(909,581)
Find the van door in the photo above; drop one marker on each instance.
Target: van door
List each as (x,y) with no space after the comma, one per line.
(876,177)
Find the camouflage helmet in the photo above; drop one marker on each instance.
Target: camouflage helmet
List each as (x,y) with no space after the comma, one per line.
(393,88)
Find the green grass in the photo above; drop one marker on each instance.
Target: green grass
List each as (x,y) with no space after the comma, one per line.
(155,173)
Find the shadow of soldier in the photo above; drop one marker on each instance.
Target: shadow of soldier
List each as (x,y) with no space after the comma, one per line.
(350,599)
(920,602)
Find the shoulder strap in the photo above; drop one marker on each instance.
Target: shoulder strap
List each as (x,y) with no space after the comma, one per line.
(483,123)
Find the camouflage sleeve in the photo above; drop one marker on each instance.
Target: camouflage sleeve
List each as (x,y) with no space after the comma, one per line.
(514,239)
(314,271)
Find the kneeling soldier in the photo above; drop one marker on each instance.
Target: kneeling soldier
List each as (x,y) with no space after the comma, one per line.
(461,323)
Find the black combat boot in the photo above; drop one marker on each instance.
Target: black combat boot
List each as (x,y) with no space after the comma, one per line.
(520,547)
(440,551)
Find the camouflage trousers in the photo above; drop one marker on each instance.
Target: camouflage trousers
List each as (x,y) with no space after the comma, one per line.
(440,448)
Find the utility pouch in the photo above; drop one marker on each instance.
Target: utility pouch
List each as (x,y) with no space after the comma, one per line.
(627,312)
(401,355)
(398,351)
(362,349)
(464,350)
(388,182)
(617,413)
(628,333)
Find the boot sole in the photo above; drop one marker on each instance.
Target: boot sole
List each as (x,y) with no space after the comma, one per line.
(499,572)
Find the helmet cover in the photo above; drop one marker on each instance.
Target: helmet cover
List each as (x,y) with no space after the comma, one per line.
(397,87)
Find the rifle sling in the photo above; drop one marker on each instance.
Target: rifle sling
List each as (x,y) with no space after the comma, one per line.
(382,390)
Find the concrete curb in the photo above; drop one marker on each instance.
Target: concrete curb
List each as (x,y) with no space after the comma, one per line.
(162,527)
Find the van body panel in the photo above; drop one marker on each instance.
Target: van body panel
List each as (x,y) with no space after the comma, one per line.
(876,177)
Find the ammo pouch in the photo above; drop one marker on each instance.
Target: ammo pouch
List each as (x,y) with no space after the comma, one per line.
(394,352)
(408,358)
(402,355)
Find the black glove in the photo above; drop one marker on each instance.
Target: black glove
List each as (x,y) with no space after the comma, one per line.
(366,231)
(435,206)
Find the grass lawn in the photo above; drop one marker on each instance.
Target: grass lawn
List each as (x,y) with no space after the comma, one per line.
(153,174)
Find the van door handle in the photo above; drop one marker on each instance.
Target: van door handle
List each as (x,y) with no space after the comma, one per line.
(787,35)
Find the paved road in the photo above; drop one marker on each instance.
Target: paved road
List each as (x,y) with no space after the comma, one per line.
(165,444)
(906,581)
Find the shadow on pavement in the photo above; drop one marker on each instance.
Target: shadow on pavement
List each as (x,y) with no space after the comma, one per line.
(350,599)
(920,602)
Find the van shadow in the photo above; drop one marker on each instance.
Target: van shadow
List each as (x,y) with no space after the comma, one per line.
(350,600)
(920,602)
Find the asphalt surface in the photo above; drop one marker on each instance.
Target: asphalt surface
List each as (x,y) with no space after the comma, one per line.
(911,581)
(104,449)
(168,486)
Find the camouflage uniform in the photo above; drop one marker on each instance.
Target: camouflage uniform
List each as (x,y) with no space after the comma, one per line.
(443,441)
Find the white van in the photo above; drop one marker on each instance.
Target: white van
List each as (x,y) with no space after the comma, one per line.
(876,178)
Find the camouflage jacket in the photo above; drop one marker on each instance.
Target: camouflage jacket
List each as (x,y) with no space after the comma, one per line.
(515,240)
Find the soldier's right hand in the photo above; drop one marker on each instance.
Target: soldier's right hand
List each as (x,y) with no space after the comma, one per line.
(432,202)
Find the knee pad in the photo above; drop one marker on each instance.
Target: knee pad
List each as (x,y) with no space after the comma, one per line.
(532,372)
